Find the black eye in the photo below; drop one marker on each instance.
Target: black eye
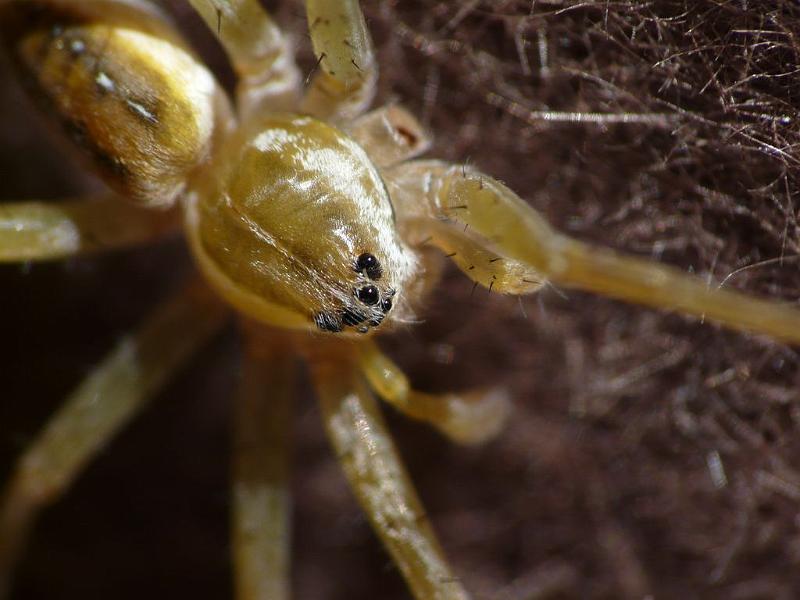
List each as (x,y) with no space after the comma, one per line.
(369,264)
(386,305)
(369,295)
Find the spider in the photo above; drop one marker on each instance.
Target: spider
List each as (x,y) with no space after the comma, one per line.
(356,308)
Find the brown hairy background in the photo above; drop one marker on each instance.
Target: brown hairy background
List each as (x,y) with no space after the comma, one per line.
(649,454)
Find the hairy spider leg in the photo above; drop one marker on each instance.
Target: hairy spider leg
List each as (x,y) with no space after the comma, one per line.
(261,497)
(113,394)
(261,55)
(503,244)
(34,230)
(470,418)
(343,85)
(371,464)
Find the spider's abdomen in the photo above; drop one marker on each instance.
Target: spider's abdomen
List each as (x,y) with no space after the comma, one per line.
(123,87)
(293,224)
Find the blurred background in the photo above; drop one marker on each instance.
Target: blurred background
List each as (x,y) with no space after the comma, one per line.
(649,454)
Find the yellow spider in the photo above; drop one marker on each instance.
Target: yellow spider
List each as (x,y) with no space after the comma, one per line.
(317,226)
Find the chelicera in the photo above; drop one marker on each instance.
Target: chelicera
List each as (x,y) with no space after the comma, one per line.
(152,121)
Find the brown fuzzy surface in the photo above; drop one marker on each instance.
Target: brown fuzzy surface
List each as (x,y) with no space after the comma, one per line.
(648,455)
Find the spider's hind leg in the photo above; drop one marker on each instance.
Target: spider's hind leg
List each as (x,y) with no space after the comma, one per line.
(113,393)
(260,54)
(52,230)
(499,241)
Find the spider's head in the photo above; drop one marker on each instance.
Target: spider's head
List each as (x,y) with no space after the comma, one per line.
(294,226)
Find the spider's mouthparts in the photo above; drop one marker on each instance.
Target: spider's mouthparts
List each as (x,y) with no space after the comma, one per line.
(353,316)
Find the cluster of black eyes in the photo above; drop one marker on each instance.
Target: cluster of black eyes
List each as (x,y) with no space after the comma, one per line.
(369,295)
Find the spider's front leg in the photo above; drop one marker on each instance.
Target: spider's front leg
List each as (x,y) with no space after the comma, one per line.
(378,478)
(468,418)
(503,244)
(344,85)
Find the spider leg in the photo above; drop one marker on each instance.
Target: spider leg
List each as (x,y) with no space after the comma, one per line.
(371,463)
(261,55)
(51,230)
(505,245)
(390,135)
(344,83)
(106,400)
(261,503)
(469,418)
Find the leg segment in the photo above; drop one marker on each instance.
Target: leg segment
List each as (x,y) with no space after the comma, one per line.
(51,230)
(107,399)
(380,482)
(464,211)
(431,208)
(261,56)
(344,84)
(261,504)
(390,135)
(469,418)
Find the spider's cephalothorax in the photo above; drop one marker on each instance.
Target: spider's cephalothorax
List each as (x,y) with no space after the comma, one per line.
(304,212)
(296,228)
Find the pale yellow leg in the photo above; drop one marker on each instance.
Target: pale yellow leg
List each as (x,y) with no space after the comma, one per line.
(389,134)
(379,480)
(468,418)
(261,501)
(343,85)
(261,55)
(113,393)
(504,244)
(426,213)
(51,230)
